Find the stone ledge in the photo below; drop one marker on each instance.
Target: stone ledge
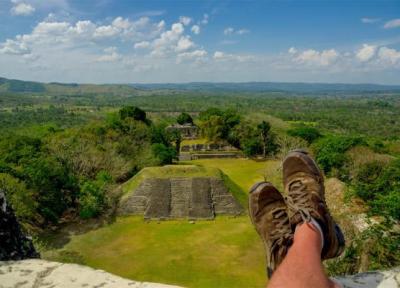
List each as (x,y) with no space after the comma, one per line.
(40,273)
(375,279)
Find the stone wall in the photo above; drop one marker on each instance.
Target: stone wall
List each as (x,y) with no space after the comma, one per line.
(207,147)
(181,197)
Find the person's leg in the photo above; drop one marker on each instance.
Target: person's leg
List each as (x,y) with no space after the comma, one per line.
(302,266)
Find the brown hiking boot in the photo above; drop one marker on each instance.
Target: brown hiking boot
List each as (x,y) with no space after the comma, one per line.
(267,211)
(304,184)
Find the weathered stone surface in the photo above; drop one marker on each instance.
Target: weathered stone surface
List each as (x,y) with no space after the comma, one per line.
(14,245)
(223,200)
(180,197)
(377,279)
(200,205)
(39,273)
(180,194)
(159,202)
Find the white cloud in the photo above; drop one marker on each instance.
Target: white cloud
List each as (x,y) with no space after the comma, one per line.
(316,58)
(292,50)
(142,45)
(218,55)
(22,9)
(367,20)
(185,20)
(184,44)
(197,55)
(172,40)
(229,31)
(82,33)
(221,56)
(205,19)
(388,55)
(110,56)
(31,57)
(105,31)
(395,23)
(13,47)
(366,52)
(242,31)
(195,29)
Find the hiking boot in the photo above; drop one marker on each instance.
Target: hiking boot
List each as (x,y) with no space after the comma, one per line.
(268,214)
(304,185)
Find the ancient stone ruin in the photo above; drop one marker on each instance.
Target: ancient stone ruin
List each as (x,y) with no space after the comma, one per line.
(14,244)
(188,130)
(180,197)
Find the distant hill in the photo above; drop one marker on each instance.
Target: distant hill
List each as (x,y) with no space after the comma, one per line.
(272,87)
(18,86)
(55,88)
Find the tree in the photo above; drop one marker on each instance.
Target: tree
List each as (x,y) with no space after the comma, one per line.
(310,134)
(164,153)
(176,137)
(251,146)
(264,129)
(132,112)
(92,198)
(184,118)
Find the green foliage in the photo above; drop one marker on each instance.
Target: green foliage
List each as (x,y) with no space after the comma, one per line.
(310,134)
(164,154)
(184,118)
(20,198)
(376,248)
(212,111)
(55,184)
(159,135)
(92,195)
(132,112)
(269,145)
(330,151)
(251,147)
(379,186)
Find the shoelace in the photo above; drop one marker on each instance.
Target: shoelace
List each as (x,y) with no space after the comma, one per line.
(299,202)
(281,237)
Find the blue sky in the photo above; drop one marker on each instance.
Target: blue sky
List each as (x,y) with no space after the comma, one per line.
(109,41)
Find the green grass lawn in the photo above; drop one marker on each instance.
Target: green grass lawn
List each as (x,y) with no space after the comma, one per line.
(246,172)
(225,252)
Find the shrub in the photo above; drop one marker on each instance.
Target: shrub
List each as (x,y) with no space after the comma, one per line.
(165,154)
(252,146)
(92,196)
(330,151)
(379,186)
(132,112)
(184,118)
(310,134)
(21,199)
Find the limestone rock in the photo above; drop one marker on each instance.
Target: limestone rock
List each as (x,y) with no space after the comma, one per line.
(14,245)
(377,279)
(40,273)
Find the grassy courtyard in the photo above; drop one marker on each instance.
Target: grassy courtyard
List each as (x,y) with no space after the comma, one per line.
(246,172)
(225,252)
(221,253)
